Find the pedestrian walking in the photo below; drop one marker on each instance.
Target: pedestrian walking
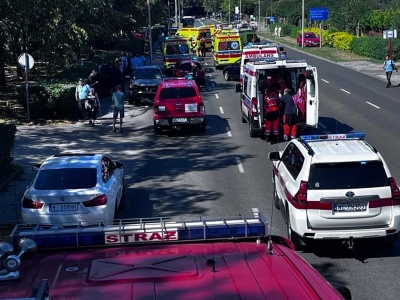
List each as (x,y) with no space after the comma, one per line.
(279,31)
(271,111)
(389,66)
(276,31)
(289,116)
(92,105)
(81,92)
(118,99)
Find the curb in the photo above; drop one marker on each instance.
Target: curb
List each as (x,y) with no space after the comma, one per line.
(11,177)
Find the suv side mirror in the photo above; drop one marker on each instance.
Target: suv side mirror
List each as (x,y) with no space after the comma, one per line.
(274,156)
(238,88)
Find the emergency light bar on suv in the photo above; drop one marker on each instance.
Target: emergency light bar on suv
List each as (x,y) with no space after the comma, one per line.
(143,230)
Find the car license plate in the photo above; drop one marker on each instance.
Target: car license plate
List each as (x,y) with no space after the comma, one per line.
(179,120)
(359,206)
(63,207)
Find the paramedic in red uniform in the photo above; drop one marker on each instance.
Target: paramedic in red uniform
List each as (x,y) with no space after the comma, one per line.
(271,110)
(289,116)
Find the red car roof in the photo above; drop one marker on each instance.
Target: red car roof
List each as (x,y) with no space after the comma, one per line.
(219,270)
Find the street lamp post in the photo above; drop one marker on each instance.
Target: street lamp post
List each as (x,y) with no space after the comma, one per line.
(149,30)
(302,24)
(229,11)
(259,16)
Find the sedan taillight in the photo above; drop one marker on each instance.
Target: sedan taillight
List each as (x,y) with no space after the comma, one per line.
(202,109)
(28,203)
(99,200)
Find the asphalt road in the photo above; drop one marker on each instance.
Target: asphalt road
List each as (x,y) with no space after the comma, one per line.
(225,172)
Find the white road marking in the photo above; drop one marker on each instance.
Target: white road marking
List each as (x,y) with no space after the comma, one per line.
(216,96)
(373,105)
(229,133)
(221,110)
(325,80)
(239,164)
(345,91)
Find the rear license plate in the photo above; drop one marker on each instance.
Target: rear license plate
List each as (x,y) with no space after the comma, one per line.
(63,207)
(359,206)
(179,120)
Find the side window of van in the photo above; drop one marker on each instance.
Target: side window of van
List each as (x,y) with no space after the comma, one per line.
(245,85)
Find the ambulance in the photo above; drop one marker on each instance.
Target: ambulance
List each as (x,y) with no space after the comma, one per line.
(248,36)
(227,49)
(286,73)
(264,50)
(174,48)
(194,35)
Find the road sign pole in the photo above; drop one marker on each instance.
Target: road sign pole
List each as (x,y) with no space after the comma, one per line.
(27,85)
(320,34)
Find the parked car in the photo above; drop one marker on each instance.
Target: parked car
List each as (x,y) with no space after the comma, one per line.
(144,83)
(71,189)
(310,39)
(178,105)
(184,67)
(232,71)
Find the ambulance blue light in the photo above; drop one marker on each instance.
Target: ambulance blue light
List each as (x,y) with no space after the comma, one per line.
(334,136)
(233,231)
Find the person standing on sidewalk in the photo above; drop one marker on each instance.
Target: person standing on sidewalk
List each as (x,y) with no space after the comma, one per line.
(118,99)
(389,66)
(81,93)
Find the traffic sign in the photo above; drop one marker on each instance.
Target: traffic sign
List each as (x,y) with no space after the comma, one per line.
(318,14)
(26,60)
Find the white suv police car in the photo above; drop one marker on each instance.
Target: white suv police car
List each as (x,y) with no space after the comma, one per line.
(335,186)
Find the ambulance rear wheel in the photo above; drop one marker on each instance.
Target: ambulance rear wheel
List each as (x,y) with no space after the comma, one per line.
(252,131)
(243,116)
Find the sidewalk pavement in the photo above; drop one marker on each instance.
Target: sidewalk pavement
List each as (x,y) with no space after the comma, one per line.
(10,197)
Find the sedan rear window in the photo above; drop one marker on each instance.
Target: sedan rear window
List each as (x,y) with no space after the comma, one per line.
(181,92)
(65,179)
(356,175)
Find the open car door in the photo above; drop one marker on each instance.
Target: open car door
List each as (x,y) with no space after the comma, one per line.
(312,104)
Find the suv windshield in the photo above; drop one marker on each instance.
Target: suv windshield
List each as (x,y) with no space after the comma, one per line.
(65,179)
(356,175)
(181,92)
(147,74)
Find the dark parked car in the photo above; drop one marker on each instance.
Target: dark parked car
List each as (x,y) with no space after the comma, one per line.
(144,83)
(184,67)
(232,71)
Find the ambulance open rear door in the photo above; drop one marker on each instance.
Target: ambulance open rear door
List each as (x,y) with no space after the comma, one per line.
(312,105)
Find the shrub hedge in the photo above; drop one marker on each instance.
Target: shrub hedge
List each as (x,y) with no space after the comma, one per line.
(371,47)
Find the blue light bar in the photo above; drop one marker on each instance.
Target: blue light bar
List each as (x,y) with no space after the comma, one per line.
(139,231)
(334,136)
(188,77)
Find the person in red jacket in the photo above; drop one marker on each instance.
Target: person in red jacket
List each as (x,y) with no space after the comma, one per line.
(271,112)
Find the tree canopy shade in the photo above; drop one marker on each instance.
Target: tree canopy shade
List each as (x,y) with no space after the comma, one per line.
(55,31)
